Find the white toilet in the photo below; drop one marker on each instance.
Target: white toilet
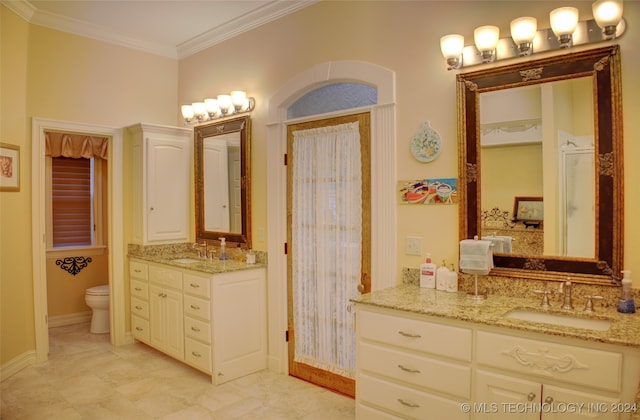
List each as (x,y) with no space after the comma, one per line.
(97,298)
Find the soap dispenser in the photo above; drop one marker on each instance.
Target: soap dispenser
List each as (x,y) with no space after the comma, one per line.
(223,249)
(626,304)
(428,274)
(442,276)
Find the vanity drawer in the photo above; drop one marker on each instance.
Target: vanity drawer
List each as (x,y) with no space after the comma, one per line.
(405,401)
(138,270)
(140,289)
(198,355)
(140,328)
(165,277)
(415,334)
(199,330)
(197,285)
(447,377)
(200,308)
(140,307)
(572,364)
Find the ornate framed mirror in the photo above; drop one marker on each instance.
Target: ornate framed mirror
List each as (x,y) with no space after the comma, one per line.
(222,181)
(540,141)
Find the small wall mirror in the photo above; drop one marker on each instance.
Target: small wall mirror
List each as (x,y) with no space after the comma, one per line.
(541,164)
(222,179)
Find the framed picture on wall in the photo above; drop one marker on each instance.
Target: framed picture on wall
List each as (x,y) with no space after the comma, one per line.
(9,167)
(529,210)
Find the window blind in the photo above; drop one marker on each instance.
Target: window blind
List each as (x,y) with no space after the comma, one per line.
(71,202)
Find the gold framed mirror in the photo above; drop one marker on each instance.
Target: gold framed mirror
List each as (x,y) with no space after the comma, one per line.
(222,181)
(602,262)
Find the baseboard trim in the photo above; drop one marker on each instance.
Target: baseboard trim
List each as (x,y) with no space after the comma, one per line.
(17,364)
(69,319)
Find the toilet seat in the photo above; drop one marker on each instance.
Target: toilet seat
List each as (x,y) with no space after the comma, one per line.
(98,290)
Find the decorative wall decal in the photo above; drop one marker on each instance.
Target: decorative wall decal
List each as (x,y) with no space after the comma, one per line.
(497,218)
(429,191)
(73,264)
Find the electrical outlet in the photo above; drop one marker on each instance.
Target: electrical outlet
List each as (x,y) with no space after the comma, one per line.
(413,245)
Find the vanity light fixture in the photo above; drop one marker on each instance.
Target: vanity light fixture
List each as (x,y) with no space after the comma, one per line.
(564,21)
(486,39)
(222,106)
(607,14)
(526,39)
(451,47)
(523,32)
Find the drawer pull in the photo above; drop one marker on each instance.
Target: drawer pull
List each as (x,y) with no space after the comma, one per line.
(410,335)
(137,270)
(138,289)
(408,403)
(196,307)
(138,329)
(139,307)
(196,329)
(531,396)
(196,354)
(410,370)
(194,285)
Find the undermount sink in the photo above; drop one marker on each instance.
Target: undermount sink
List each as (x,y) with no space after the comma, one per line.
(186,260)
(559,319)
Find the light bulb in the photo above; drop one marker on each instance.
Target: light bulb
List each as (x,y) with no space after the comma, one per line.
(564,21)
(523,31)
(187,113)
(224,102)
(486,39)
(451,47)
(199,110)
(607,14)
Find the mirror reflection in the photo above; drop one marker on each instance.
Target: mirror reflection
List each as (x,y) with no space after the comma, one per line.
(222,181)
(537,154)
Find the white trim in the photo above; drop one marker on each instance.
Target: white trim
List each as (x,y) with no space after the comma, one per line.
(116,245)
(16,364)
(69,319)
(383,203)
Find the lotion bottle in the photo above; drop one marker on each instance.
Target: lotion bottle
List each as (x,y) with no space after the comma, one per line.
(442,276)
(626,304)
(428,274)
(452,284)
(223,249)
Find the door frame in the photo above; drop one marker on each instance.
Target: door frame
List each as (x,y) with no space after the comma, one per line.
(115,234)
(383,180)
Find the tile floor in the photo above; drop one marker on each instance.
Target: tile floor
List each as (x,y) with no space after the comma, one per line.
(86,378)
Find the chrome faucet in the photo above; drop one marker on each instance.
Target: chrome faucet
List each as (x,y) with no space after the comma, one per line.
(565,290)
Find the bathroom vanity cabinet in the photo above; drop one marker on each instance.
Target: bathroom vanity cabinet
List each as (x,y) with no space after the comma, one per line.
(416,366)
(160,173)
(215,323)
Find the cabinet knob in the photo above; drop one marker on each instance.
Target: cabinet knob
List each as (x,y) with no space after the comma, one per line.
(548,400)
(151,209)
(531,396)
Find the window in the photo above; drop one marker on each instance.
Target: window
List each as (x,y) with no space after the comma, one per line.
(75,202)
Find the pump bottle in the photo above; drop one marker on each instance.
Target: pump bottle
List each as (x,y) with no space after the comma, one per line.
(223,249)
(428,274)
(626,304)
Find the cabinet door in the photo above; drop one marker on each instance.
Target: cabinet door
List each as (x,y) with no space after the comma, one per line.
(239,318)
(168,176)
(166,321)
(499,397)
(574,405)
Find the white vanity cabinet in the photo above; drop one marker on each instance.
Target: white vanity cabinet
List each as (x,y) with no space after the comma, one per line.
(216,323)
(418,366)
(160,173)
(410,368)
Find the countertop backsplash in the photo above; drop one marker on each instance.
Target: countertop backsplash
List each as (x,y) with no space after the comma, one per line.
(515,287)
(234,253)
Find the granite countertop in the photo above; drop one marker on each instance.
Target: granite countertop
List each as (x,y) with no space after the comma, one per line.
(214,266)
(625,328)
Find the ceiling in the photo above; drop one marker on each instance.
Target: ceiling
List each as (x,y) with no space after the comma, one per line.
(172,28)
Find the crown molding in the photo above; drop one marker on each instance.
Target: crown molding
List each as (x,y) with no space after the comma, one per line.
(268,13)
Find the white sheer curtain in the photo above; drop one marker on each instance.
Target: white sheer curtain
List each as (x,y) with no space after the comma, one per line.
(326,244)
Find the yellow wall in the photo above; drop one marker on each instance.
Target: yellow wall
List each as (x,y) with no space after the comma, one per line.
(50,74)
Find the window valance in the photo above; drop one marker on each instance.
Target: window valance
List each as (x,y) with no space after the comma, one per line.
(76,145)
